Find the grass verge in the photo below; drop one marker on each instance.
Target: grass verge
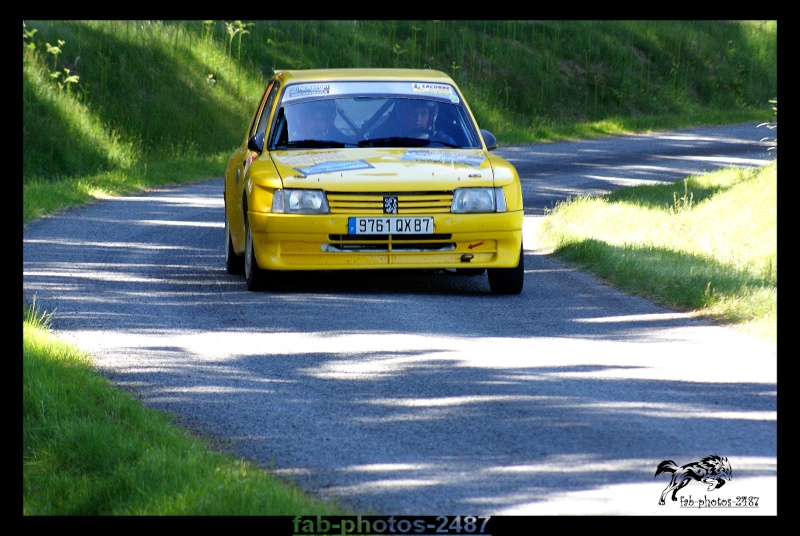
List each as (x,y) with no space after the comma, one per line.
(91,449)
(707,245)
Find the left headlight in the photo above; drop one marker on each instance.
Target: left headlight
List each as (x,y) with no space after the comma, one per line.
(478,200)
(300,202)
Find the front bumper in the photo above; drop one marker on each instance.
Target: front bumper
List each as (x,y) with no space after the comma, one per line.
(320,242)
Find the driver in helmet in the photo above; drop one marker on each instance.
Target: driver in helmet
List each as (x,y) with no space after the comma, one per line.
(418,119)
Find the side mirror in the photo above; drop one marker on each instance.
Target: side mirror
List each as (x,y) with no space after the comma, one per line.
(256,143)
(489,140)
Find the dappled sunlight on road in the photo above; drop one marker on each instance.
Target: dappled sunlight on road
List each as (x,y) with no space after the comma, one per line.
(422,390)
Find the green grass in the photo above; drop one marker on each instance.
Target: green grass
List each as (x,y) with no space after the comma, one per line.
(708,245)
(90,449)
(116,107)
(145,95)
(157,90)
(42,197)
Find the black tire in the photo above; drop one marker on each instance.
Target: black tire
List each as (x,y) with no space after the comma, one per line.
(234,263)
(470,271)
(505,281)
(254,276)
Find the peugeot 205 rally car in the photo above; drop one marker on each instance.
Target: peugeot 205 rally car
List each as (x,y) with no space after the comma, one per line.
(370,169)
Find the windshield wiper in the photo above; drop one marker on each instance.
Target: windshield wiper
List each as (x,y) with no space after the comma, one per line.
(315,144)
(395,141)
(445,143)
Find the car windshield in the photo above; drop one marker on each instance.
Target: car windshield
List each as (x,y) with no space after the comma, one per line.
(376,115)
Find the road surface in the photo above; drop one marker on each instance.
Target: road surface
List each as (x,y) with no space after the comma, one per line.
(423,394)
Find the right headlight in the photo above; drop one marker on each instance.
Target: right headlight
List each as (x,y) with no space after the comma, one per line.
(292,201)
(478,200)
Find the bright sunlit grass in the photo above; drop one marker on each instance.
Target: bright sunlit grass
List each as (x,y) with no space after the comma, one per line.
(708,244)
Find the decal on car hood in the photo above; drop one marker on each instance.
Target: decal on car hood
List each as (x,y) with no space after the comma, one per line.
(443,157)
(296,160)
(394,168)
(329,167)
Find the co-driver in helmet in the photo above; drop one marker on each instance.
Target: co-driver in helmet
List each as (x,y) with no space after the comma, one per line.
(314,121)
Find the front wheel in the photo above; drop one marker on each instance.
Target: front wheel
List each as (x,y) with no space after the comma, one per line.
(254,276)
(508,280)
(234,263)
(470,271)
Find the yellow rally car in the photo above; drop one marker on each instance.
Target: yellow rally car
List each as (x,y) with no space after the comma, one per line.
(362,169)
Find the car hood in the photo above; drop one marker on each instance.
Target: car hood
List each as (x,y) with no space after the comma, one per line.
(392,169)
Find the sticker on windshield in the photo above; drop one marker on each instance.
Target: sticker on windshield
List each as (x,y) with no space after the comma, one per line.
(431,89)
(427,88)
(330,167)
(443,157)
(308,90)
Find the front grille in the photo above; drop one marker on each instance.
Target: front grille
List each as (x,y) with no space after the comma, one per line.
(386,243)
(407,203)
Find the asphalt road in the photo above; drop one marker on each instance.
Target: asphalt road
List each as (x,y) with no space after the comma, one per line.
(423,394)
